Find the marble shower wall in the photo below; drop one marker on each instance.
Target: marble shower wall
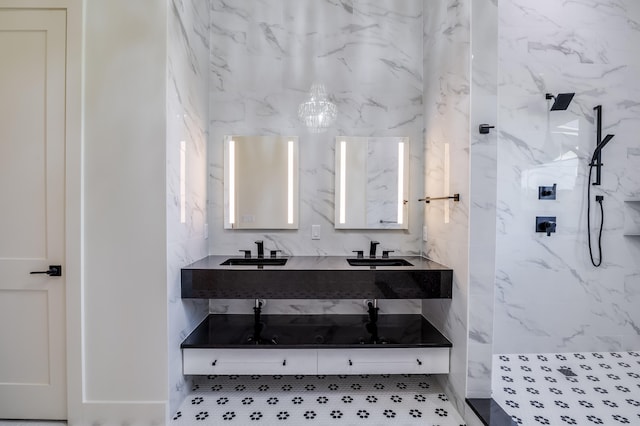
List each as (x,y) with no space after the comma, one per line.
(264,56)
(187,117)
(446,63)
(549,298)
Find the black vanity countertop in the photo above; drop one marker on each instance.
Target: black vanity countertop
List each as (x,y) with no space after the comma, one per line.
(315,331)
(316,277)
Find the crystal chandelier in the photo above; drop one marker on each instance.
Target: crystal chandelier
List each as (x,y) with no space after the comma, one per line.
(318,113)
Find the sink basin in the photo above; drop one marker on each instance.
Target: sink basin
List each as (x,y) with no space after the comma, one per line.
(378,262)
(255,262)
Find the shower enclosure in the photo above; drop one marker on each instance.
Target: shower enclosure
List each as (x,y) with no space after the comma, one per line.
(547,309)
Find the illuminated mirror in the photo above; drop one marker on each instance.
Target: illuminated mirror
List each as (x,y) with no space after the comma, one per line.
(372,182)
(260,182)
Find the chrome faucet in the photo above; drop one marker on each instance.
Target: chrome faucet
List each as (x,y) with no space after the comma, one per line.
(372,249)
(260,244)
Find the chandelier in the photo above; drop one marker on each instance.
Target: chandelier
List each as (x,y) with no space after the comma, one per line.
(318,113)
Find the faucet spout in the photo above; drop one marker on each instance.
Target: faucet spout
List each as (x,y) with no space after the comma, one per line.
(260,245)
(372,249)
(373,310)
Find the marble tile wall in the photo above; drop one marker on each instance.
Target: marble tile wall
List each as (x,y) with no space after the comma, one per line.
(314,307)
(482,209)
(549,298)
(187,117)
(264,57)
(447,89)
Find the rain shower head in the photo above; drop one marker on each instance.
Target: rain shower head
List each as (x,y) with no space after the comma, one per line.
(561,102)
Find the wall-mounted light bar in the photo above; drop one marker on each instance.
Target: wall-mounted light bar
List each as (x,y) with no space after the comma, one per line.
(343,181)
(183,182)
(400,182)
(232,182)
(290,182)
(447,180)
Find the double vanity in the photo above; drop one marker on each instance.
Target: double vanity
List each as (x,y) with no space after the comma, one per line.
(254,343)
(371,193)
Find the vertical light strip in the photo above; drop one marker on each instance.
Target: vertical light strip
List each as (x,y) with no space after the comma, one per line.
(343,181)
(232,182)
(400,183)
(290,182)
(183,182)
(447,175)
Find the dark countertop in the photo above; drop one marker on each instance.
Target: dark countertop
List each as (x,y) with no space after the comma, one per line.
(315,331)
(316,277)
(317,263)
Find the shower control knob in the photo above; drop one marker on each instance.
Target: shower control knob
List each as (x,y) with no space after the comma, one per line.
(484,128)
(546,224)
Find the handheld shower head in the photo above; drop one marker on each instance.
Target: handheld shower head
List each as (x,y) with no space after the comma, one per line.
(561,102)
(601,145)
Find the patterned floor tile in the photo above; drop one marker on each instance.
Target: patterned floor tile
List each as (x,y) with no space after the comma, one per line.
(591,388)
(317,400)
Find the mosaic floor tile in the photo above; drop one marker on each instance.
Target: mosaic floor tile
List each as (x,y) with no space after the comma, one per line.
(590,388)
(317,400)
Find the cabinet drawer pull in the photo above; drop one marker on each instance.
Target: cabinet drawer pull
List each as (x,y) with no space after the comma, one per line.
(284,362)
(350,363)
(214,362)
(419,362)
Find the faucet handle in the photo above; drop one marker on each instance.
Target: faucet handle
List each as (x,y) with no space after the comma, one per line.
(385,253)
(274,253)
(359,253)
(247,253)
(549,227)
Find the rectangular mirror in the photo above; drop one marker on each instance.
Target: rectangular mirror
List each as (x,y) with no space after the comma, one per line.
(260,182)
(371,182)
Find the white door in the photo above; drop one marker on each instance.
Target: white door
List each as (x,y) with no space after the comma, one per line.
(32,200)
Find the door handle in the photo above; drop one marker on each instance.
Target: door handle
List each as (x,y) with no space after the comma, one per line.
(54,271)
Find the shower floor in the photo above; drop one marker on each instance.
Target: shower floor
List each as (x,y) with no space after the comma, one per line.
(317,400)
(586,388)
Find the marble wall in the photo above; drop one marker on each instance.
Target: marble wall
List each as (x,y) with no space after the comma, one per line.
(549,297)
(264,57)
(187,119)
(482,208)
(447,114)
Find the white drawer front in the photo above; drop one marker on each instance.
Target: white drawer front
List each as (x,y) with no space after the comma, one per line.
(384,361)
(249,361)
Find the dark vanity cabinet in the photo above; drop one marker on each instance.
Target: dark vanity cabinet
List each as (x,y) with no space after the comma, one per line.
(316,344)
